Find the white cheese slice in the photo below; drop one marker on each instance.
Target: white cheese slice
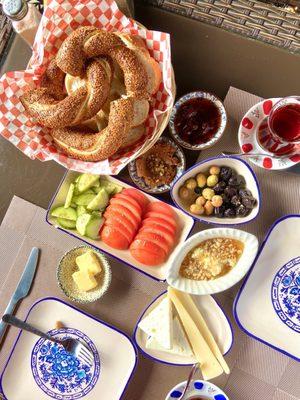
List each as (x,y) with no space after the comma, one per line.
(158,323)
(180,346)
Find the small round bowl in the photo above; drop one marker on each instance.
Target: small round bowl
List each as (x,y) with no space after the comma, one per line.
(205,95)
(198,388)
(241,167)
(224,282)
(67,266)
(140,183)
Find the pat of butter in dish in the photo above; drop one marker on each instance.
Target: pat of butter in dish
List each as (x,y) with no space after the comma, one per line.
(84,280)
(89,262)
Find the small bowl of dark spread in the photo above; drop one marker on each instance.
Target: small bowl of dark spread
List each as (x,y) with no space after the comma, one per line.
(198,120)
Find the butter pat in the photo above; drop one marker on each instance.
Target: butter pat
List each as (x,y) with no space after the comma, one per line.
(88,262)
(84,280)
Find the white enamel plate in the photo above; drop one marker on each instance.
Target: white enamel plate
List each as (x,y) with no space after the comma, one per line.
(213,315)
(46,370)
(268,305)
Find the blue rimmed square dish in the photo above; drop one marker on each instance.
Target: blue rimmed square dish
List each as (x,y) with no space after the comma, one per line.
(46,370)
(267,306)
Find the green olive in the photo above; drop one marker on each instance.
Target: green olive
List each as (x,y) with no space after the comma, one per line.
(217,200)
(208,207)
(208,193)
(185,193)
(200,201)
(201,180)
(214,170)
(212,180)
(196,209)
(191,183)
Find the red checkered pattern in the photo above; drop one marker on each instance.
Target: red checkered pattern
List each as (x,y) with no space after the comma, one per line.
(60,18)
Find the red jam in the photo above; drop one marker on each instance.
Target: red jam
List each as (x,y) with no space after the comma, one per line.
(197,121)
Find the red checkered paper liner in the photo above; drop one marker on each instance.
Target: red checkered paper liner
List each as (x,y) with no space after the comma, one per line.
(60,18)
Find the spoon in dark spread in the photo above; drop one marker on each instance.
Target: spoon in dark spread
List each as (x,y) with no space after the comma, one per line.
(190,377)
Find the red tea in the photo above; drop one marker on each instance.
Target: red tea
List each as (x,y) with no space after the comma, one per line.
(285,122)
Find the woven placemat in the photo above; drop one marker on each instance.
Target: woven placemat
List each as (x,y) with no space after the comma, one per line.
(254,19)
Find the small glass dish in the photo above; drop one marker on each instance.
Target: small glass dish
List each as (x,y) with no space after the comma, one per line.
(140,182)
(67,266)
(222,123)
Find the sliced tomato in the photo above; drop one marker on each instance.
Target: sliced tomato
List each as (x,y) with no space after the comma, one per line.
(159,230)
(138,196)
(121,217)
(126,231)
(130,200)
(124,211)
(129,206)
(159,221)
(170,220)
(154,238)
(145,244)
(147,258)
(114,238)
(160,207)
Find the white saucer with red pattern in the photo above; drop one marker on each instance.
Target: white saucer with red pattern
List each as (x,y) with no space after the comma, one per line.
(254,137)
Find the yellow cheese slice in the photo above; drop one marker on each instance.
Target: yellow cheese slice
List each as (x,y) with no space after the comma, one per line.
(194,312)
(84,281)
(209,365)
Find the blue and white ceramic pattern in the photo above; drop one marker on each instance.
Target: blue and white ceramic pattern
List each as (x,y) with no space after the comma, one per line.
(141,184)
(267,306)
(286,294)
(60,374)
(198,388)
(218,103)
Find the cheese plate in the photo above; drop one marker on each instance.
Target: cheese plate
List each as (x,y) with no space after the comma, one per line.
(214,316)
(184,226)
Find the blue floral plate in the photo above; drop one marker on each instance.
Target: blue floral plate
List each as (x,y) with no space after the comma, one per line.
(46,370)
(140,182)
(198,390)
(267,306)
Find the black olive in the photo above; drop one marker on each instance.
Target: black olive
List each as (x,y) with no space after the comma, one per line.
(249,202)
(225,173)
(245,193)
(219,187)
(230,191)
(229,213)
(242,211)
(219,211)
(236,201)
(198,190)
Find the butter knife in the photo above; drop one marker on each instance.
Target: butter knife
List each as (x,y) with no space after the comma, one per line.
(23,287)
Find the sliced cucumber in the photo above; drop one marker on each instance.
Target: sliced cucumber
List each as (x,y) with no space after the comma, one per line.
(73,205)
(84,199)
(81,210)
(65,213)
(82,222)
(69,196)
(100,201)
(110,187)
(97,184)
(97,213)
(86,181)
(93,227)
(66,223)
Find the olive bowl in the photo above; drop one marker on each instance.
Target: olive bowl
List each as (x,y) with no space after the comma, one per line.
(241,167)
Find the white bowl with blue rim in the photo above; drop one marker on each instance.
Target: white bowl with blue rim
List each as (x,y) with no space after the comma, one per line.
(215,318)
(267,307)
(140,182)
(224,282)
(198,390)
(241,168)
(218,134)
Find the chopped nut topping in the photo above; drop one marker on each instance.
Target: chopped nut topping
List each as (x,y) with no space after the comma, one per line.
(211,259)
